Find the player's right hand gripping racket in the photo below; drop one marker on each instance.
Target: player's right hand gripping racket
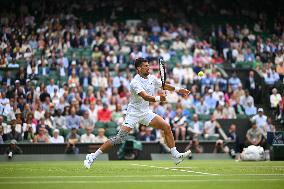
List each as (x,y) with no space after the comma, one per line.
(162,72)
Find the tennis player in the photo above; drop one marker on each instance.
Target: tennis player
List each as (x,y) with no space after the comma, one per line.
(143,88)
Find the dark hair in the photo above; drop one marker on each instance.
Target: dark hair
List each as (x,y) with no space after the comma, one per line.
(138,62)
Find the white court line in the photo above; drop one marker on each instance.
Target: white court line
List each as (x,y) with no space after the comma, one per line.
(135,181)
(173,169)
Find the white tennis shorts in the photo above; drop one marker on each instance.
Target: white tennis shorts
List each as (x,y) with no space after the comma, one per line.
(144,119)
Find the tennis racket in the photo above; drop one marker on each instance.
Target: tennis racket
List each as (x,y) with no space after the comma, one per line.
(162,72)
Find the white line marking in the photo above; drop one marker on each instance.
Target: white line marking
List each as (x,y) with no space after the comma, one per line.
(168,168)
(134,181)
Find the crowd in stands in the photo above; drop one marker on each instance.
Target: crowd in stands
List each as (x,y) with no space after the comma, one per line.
(66,80)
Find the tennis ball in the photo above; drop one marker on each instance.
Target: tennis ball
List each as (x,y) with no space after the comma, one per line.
(201,74)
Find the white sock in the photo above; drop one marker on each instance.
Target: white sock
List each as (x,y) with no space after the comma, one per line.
(97,153)
(174,151)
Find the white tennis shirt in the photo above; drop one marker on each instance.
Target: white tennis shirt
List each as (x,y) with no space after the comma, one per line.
(137,105)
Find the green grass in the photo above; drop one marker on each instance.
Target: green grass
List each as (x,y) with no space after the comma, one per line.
(142,174)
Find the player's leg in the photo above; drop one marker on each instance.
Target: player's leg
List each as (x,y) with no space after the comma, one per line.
(159,123)
(177,132)
(118,139)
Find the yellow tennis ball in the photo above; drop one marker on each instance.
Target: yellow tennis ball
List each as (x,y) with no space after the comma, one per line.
(201,74)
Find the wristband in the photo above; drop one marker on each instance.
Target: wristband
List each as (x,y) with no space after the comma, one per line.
(177,89)
(157,99)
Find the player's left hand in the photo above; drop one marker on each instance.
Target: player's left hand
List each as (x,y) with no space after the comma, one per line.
(184,92)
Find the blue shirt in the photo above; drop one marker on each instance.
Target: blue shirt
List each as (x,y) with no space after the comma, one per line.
(234,81)
(73,122)
(250,110)
(210,101)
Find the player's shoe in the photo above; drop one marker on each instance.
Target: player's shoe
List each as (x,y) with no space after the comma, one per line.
(89,161)
(181,156)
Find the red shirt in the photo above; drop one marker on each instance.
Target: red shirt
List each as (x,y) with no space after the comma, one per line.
(104,115)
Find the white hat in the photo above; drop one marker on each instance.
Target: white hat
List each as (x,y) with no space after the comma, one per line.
(73,62)
(210,90)
(260,110)
(56,130)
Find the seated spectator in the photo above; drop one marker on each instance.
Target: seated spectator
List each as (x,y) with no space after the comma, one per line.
(250,109)
(148,135)
(269,127)
(86,121)
(244,100)
(101,138)
(220,148)
(13,149)
(141,131)
(14,134)
(254,135)
(229,111)
(3,136)
(202,108)
(269,80)
(234,81)
(88,137)
(259,119)
(43,125)
(195,126)
(29,133)
(211,128)
(42,136)
(239,109)
(219,112)
(73,136)
(73,120)
(56,137)
(117,115)
(104,115)
(194,146)
(179,124)
(71,148)
(59,121)
(210,100)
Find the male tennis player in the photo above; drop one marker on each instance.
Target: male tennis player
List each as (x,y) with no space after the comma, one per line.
(143,88)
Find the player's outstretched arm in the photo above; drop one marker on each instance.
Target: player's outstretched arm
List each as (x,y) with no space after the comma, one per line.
(182,91)
(149,98)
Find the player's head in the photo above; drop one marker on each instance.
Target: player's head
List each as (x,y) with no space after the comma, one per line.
(142,66)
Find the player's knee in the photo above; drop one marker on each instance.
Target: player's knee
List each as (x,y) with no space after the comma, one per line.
(119,138)
(167,128)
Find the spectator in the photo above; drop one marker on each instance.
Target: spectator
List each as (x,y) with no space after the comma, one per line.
(101,138)
(52,87)
(232,136)
(59,121)
(194,146)
(86,121)
(148,135)
(275,99)
(260,119)
(104,115)
(202,108)
(13,148)
(239,109)
(73,120)
(250,109)
(56,137)
(219,112)
(14,135)
(117,115)
(229,111)
(211,128)
(179,124)
(71,148)
(195,127)
(42,136)
(73,136)
(244,100)
(234,81)
(88,137)
(28,132)
(209,100)
(220,148)
(254,135)
(3,136)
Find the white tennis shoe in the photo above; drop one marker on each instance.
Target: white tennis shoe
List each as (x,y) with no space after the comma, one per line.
(89,161)
(181,156)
